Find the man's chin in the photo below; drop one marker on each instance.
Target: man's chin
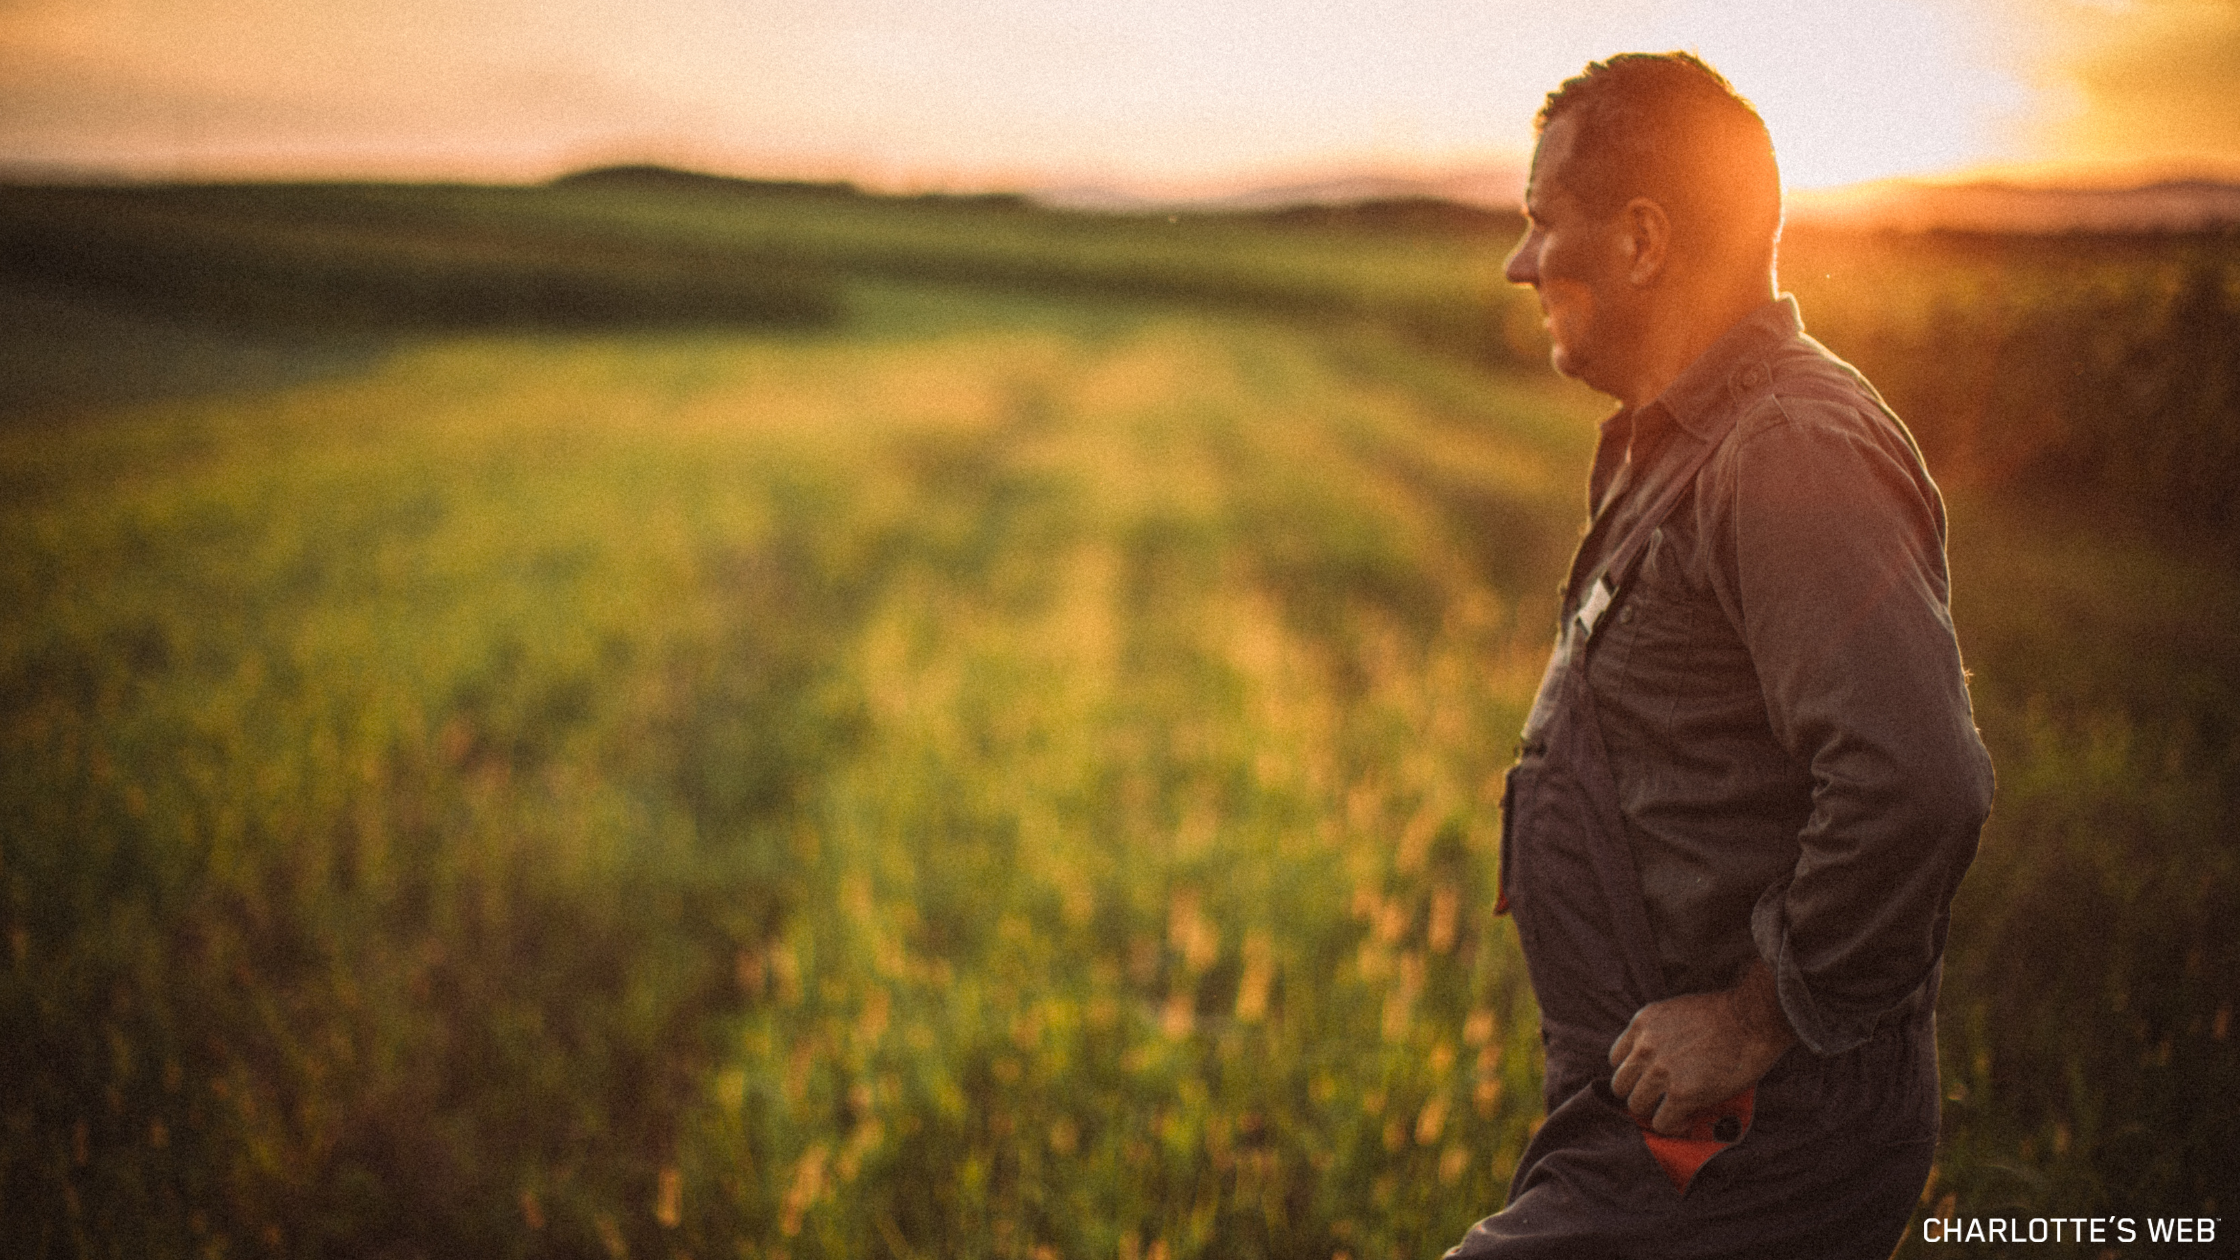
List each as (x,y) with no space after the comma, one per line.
(1572,368)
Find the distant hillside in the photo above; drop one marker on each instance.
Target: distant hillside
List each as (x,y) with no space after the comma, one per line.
(1485,200)
(672,179)
(1904,205)
(2171,206)
(1498,188)
(1394,215)
(1501,187)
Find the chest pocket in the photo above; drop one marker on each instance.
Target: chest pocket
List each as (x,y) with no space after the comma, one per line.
(1664,594)
(1668,639)
(1649,598)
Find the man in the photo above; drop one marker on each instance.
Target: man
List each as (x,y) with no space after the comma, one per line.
(1750,782)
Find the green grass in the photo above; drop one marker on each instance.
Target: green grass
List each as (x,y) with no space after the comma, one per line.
(862,780)
(2082,373)
(1011,774)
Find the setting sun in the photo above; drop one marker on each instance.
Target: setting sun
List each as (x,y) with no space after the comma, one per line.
(1865,90)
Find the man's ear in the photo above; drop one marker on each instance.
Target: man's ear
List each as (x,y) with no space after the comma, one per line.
(1648,241)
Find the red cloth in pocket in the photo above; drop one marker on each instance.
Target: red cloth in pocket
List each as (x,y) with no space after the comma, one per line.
(1708,1134)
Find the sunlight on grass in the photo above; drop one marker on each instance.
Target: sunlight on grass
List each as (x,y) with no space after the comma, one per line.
(841,796)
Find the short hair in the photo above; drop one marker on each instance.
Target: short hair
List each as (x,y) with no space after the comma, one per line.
(1668,127)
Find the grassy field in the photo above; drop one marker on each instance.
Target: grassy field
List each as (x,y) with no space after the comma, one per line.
(1006,766)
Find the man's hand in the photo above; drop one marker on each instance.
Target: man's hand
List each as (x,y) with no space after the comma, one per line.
(1685,1054)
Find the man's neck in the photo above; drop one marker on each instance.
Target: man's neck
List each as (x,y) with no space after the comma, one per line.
(1678,336)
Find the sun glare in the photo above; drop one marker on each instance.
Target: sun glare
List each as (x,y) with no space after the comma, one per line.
(1864,90)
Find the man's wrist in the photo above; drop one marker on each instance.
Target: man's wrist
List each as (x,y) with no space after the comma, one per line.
(1755,1001)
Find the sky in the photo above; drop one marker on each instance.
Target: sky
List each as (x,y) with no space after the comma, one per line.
(1150,96)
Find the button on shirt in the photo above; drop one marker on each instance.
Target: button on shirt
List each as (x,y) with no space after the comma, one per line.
(1780,691)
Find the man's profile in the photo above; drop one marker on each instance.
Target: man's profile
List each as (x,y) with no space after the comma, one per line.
(1750,782)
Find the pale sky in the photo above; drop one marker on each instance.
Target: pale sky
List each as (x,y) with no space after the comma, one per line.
(1151,95)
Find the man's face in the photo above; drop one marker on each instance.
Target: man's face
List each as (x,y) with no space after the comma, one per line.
(1577,262)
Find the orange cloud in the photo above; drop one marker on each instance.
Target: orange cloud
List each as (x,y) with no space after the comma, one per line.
(2153,82)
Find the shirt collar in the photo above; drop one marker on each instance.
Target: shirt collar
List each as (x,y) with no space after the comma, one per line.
(1706,397)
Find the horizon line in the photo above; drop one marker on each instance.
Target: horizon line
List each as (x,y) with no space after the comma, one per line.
(1494,171)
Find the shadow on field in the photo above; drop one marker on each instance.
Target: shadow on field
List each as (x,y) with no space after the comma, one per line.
(258,260)
(62,352)
(118,294)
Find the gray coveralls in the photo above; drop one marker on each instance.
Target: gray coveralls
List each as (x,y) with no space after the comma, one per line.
(1824,1157)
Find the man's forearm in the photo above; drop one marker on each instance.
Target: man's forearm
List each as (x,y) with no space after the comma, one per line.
(1837,581)
(1755,1001)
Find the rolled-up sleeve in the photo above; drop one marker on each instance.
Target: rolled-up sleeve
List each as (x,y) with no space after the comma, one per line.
(1833,569)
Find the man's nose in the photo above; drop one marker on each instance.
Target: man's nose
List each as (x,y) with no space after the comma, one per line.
(1523,266)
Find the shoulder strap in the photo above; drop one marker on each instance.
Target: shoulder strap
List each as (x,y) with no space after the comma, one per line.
(1617,562)
(1616,568)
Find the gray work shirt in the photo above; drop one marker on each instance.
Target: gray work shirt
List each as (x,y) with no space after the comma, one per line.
(1780,690)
